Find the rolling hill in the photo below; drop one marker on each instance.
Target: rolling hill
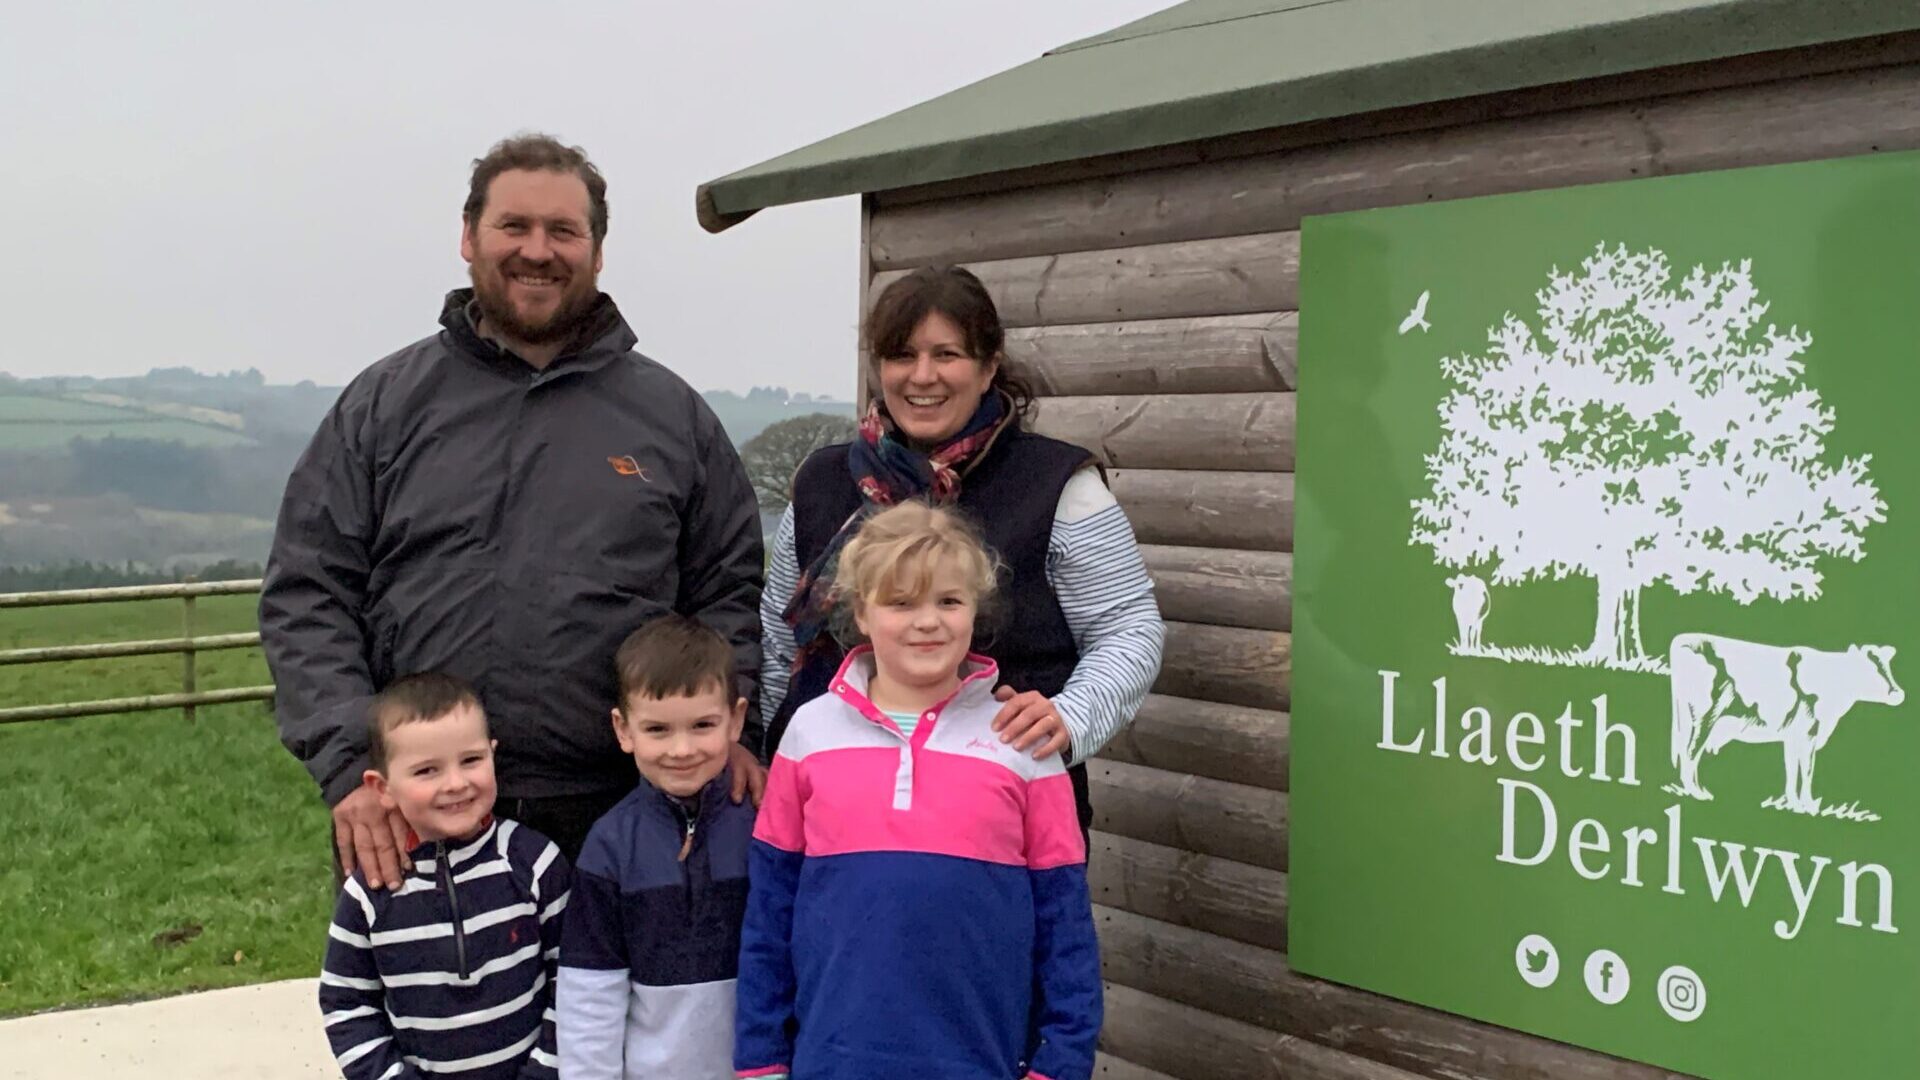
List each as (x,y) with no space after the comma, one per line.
(42,422)
(180,468)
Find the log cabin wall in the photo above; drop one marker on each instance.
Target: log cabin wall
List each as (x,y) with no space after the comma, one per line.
(1157,309)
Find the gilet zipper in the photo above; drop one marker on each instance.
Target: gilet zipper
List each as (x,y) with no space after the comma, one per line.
(453,905)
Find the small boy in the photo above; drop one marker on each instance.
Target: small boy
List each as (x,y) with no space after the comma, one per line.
(652,941)
(452,972)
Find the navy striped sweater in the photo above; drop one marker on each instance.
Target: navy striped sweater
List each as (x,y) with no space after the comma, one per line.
(452,973)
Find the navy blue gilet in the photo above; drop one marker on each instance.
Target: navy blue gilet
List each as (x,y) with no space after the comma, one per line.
(1010,495)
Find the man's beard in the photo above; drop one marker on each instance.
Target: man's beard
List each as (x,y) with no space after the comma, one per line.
(503,320)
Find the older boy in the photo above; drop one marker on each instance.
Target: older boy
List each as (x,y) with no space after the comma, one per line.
(452,972)
(652,941)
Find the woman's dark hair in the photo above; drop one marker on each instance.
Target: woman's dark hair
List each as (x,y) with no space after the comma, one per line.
(954,292)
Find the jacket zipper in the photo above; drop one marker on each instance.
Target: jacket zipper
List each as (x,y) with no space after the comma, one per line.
(686,843)
(691,819)
(453,904)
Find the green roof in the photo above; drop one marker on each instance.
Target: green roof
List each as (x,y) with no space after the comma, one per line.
(1208,68)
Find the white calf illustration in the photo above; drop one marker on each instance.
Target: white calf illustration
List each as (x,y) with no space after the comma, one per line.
(1726,691)
(1469,609)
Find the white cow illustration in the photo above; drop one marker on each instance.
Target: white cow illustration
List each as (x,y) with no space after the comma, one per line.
(1726,690)
(1469,609)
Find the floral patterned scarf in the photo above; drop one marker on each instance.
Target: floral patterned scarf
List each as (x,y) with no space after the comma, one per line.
(888,471)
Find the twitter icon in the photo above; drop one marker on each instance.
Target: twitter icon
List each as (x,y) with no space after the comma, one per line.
(1537,960)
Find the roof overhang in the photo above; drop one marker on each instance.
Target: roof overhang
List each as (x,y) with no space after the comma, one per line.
(1211,68)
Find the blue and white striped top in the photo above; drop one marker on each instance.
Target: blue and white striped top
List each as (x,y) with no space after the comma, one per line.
(453,972)
(1097,575)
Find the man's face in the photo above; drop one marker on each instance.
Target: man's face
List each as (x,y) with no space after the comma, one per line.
(440,774)
(532,256)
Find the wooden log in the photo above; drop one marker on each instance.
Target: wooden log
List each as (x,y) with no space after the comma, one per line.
(1209,817)
(1247,432)
(1232,899)
(1255,986)
(1242,510)
(1226,664)
(1791,120)
(1204,738)
(1108,1067)
(1227,276)
(1215,354)
(1211,973)
(1253,589)
(1190,1044)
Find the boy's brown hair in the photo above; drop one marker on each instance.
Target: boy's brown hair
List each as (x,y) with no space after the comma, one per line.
(674,656)
(429,695)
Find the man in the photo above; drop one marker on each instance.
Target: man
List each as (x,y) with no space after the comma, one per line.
(504,501)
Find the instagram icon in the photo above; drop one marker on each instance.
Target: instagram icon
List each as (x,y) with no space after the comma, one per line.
(1682,994)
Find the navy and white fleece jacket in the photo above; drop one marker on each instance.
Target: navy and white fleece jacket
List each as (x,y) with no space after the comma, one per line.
(652,942)
(919,905)
(452,973)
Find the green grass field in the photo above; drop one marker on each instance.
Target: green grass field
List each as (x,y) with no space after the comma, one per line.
(28,422)
(121,833)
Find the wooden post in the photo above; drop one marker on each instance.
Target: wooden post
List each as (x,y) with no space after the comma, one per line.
(187,673)
(862,379)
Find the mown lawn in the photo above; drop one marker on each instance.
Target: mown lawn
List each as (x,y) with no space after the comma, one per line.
(120,835)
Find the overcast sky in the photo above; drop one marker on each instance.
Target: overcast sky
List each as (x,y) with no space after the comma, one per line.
(278,186)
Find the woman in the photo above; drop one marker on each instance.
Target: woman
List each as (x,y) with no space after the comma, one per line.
(1078,637)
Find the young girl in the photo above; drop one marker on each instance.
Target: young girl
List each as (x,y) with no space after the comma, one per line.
(918,905)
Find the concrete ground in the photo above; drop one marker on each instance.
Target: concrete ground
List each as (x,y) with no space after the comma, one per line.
(266,1032)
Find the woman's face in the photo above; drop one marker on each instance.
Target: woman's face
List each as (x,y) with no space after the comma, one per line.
(932,387)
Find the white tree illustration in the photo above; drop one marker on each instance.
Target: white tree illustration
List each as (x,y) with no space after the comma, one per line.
(1645,430)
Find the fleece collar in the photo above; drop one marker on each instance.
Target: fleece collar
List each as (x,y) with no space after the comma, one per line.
(459,852)
(978,675)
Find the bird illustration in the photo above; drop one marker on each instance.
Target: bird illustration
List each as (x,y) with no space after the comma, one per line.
(1536,960)
(1418,316)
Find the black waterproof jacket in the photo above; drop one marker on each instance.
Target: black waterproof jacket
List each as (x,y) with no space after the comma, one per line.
(459,511)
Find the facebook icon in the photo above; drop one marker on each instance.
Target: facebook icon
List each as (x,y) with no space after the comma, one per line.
(1607,977)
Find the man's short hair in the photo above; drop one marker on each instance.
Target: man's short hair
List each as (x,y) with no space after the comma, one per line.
(427,696)
(674,656)
(538,153)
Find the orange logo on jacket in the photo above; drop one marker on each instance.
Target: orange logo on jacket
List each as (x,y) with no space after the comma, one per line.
(626,466)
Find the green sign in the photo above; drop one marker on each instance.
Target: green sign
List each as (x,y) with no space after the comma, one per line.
(1607,588)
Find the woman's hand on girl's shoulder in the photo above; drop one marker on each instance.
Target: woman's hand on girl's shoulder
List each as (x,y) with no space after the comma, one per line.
(1028,719)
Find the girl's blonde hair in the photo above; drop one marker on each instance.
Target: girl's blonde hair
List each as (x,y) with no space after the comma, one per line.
(897,551)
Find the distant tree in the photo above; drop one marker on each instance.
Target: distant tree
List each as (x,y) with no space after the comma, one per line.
(773,456)
(223,570)
(1646,428)
(161,473)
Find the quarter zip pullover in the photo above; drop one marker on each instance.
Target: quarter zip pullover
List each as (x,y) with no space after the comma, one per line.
(453,971)
(653,939)
(981,955)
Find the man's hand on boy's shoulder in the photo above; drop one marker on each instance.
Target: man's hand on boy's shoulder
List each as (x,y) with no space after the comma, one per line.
(749,776)
(371,838)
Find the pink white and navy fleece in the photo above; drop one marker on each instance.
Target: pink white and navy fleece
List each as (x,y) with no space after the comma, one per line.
(918,905)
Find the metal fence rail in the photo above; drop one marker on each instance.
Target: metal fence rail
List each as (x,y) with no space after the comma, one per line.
(187,644)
